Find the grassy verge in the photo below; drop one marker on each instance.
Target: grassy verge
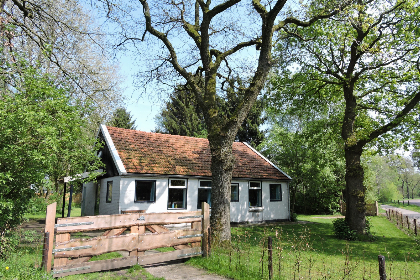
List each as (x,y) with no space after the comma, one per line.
(309,250)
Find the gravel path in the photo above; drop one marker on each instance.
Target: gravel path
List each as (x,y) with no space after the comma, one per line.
(177,270)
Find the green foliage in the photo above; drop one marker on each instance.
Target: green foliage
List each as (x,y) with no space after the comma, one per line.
(43,137)
(182,116)
(343,231)
(122,119)
(381,179)
(310,153)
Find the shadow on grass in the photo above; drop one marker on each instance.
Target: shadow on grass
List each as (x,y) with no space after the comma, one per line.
(319,237)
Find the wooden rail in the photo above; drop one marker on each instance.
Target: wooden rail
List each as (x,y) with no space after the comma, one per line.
(135,233)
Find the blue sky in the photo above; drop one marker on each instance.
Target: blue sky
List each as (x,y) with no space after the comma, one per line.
(143,108)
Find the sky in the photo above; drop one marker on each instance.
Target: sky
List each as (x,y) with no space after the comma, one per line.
(142,108)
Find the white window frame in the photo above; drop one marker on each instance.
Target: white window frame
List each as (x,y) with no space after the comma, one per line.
(184,187)
(260,192)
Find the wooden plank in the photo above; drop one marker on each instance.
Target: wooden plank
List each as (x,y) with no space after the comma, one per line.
(49,227)
(167,239)
(205,225)
(125,220)
(114,232)
(128,242)
(157,228)
(168,256)
(196,225)
(63,237)
(94,266)
(99,222)
(100,245)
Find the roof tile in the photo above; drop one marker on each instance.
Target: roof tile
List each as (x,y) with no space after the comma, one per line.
(155,153)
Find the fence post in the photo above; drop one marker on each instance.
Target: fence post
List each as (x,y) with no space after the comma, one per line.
(49,237)
(415,227)
(205,226)
(270,258)
(382,272)
(408,223)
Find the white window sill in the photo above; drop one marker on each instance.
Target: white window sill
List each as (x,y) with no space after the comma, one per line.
(255,209)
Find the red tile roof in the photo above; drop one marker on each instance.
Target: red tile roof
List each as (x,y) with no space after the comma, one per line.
(155,153)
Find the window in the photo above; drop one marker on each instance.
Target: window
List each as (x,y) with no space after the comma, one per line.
(145,191)
(177,194)
(108,192)
(275,192)
(234,192)
(255,194)
(204,193)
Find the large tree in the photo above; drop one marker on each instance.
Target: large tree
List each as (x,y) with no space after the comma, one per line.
(204,43)
(364,61)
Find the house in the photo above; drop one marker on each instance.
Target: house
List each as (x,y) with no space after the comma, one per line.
(161,172)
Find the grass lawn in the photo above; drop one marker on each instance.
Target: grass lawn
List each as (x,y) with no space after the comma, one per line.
(309,250)
(306,250)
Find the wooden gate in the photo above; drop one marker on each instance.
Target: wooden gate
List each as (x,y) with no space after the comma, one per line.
(135,233)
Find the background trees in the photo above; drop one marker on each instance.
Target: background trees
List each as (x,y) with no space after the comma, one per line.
(365,62)
(123,119)
(182,116)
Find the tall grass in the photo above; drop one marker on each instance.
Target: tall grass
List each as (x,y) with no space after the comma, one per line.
(310,251)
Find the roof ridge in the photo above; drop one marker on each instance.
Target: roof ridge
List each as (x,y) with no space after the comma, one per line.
(158,133)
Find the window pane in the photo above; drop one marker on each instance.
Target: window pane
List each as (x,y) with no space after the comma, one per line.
(177,198)
(108,191)
(234,192)
(145,191)
(178,183)
(205,184)
(204,195)
(254,184)
(275,192)
(255,197)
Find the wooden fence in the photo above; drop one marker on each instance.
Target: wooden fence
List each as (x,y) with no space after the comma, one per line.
(135,233)
(372,209)
(402,221)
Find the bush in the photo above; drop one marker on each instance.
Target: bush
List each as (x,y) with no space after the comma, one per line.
(342,230)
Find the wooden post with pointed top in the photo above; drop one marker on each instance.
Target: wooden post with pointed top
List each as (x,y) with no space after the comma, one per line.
(205,226)
(47,255)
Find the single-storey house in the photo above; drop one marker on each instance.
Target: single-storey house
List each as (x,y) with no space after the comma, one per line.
(161,172)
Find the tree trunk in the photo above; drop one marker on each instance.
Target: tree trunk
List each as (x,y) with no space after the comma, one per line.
(355,190)
(222,163)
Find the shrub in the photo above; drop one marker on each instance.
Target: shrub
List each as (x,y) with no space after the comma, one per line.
(342,230)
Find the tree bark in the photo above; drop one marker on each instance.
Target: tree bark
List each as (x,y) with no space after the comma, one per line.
(355,190)
(222,163)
